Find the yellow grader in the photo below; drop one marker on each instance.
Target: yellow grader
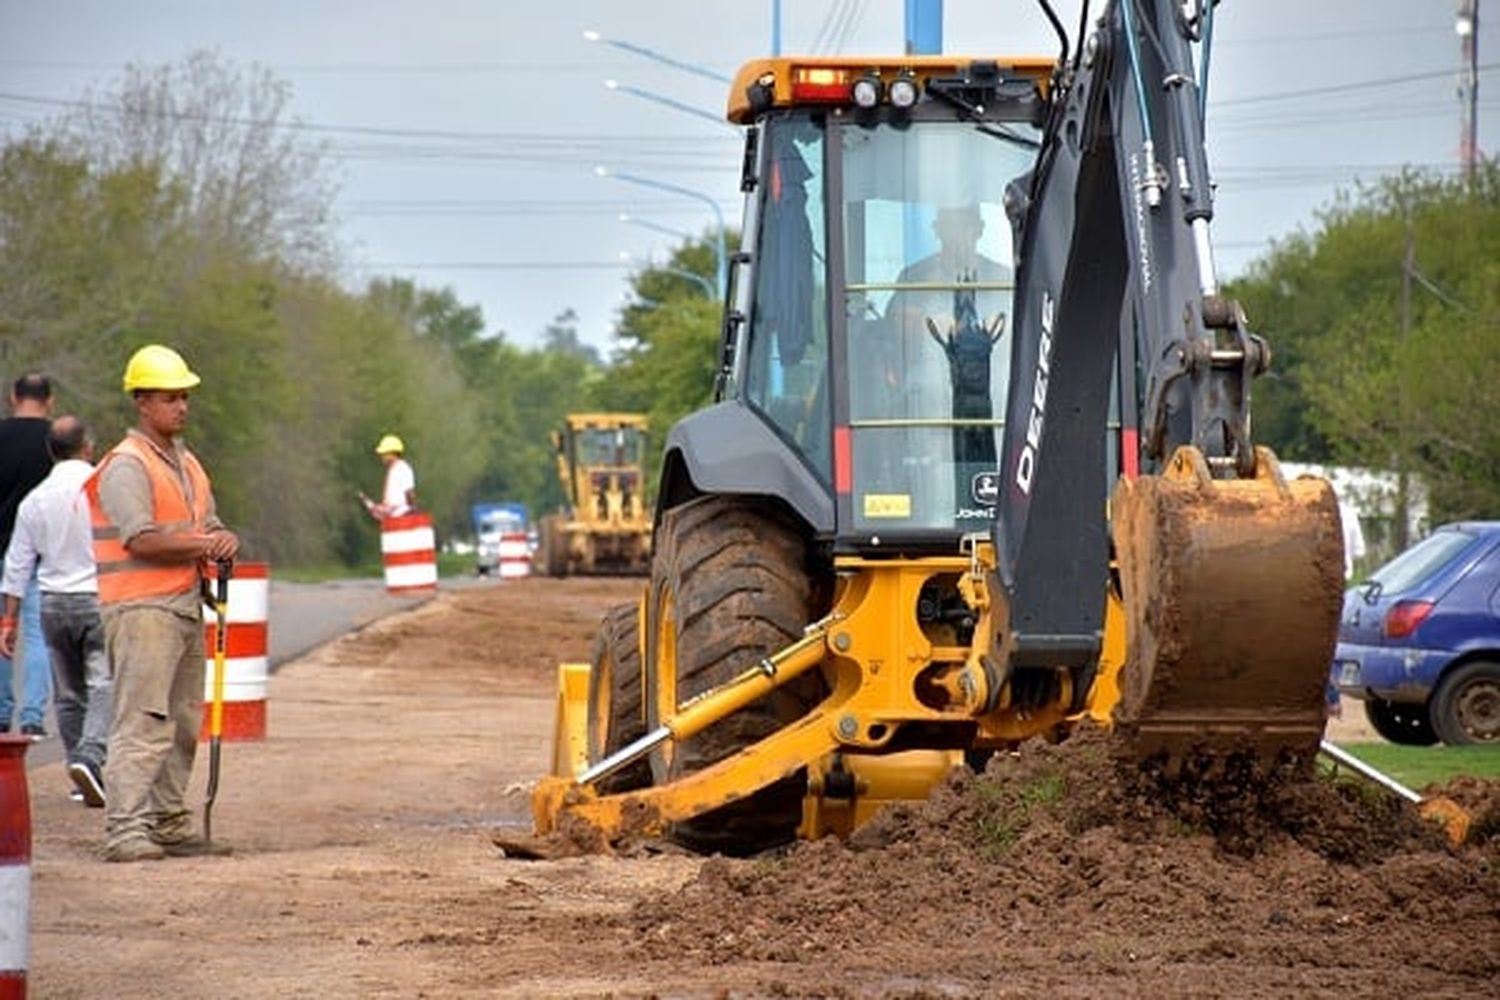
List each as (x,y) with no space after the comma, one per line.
(606,526)
(979,464)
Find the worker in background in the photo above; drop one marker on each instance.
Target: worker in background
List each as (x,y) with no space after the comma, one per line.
(53,542)
(24,462)
(399,495)
(154,528)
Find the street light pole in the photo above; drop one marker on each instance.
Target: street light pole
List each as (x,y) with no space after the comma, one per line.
(670,102)
(722,259)
(680,272)
(655,56)
(657,226)
(1467,26)
(686,237)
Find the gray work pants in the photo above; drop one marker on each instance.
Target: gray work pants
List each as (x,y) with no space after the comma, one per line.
(81,680)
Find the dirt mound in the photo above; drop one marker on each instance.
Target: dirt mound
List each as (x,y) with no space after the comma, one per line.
(1068,854)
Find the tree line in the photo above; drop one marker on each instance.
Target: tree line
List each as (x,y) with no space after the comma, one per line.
(184,207)
(1384,324)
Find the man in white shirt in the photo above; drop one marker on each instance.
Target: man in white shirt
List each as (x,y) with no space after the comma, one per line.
(399,495)
(53,534)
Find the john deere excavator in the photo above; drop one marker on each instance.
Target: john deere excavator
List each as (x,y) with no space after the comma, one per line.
(980,464)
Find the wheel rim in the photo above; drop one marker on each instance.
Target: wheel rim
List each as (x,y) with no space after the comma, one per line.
(1478,710)
(665,668)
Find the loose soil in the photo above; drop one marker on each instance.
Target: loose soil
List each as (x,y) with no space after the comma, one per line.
(364,864)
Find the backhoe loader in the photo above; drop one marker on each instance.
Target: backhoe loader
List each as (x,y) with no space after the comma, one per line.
(979,464)
(604,528)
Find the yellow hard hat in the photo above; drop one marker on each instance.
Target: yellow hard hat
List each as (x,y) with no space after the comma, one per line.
(390,445)
(158,367)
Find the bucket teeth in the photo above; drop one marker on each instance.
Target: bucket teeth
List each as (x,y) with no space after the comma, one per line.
(1232,591)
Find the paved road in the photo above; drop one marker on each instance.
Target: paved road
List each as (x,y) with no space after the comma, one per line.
(303,616)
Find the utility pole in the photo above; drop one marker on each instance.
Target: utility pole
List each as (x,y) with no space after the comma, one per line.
(924,27)
(1467,26)
(1403,438)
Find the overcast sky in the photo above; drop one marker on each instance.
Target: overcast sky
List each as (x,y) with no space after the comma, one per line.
(1305,97)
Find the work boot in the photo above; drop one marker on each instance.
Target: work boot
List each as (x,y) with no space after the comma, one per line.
(134,849)
(193,846)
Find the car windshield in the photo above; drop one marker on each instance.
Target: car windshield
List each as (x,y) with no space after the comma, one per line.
(1417,564)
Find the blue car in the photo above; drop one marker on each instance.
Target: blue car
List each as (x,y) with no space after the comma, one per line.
(1419,641)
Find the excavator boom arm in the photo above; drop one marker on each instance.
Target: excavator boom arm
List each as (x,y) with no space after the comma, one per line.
(1114,266)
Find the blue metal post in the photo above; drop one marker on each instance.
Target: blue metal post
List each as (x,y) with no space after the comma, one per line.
(775,27)
(924,27)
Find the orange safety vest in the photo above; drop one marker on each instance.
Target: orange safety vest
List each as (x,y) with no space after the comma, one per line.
(122,577)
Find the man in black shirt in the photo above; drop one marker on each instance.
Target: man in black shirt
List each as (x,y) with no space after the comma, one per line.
(25,462)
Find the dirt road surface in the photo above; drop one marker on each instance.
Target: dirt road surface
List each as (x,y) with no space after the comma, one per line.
(364,867)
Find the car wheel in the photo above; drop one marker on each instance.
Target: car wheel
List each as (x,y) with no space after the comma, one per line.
(1401,722)
(1466,705)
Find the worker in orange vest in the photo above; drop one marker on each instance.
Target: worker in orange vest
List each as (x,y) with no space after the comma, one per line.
(154,528)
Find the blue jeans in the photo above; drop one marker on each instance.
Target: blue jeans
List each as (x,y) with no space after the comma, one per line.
(35,665)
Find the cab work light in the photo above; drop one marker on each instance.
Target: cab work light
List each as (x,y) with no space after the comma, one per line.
(904,92)
(867,90)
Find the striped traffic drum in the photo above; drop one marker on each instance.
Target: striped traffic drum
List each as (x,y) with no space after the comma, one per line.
(15,866)
(246,655)
(408,548)
(515,555)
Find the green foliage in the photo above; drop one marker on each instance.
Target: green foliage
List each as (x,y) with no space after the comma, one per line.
(1418,767)
(668,354)
(1385,325)
(182,208)
(1002,812)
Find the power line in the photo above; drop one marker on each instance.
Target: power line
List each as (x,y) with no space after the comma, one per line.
(356,68)
(1340,35)
(501,265)
(372,130)
(1337,88)
(845,9)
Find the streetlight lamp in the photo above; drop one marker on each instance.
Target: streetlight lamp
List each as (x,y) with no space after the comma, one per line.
(722,275)
(655,56)
(679,272)
(670,102)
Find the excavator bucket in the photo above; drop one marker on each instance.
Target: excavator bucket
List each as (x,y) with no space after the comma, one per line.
(1232,592)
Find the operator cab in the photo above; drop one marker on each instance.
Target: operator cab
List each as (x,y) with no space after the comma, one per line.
(870,317)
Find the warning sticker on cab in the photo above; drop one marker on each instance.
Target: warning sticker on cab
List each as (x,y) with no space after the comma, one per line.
(887,504)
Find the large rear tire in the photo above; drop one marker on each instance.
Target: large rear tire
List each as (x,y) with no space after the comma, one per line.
(729,586)
(1401,722)
(615,719)
(554,546)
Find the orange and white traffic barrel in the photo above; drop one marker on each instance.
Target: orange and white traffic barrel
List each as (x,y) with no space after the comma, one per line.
(15,867)
(409,549)
(246,655)
(515,555)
